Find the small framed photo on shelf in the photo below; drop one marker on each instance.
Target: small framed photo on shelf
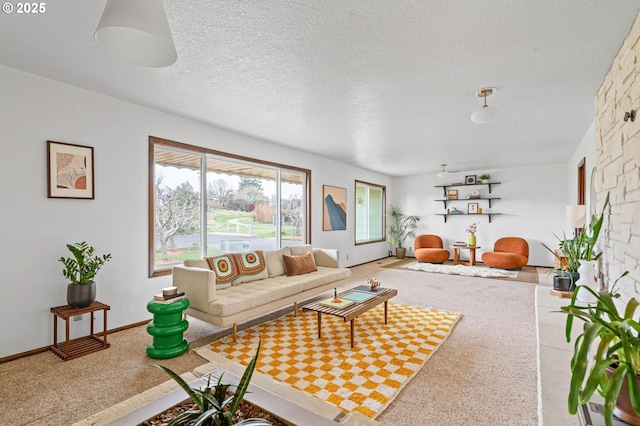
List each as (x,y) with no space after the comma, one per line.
(452,194)
(470,180)
(472,208)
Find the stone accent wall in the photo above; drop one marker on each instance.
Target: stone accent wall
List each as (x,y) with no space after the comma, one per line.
(618,166)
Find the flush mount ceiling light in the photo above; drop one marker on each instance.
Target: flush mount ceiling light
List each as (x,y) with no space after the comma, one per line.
(136,32)
(486,114)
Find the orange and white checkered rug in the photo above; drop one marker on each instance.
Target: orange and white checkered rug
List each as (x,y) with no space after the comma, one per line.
(364,379)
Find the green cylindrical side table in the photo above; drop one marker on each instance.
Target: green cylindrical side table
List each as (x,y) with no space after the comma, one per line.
(167,328)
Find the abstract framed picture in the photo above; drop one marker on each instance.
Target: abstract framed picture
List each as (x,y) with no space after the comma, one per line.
(472,208)
(69,170)
(470,180)
(334,208)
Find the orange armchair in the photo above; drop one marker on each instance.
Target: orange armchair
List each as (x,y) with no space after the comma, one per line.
(508,253)
(429,248)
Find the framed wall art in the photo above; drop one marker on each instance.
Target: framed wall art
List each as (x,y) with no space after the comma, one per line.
(334,208)
(470,180)
(452,194)
(472,208)
(69,170)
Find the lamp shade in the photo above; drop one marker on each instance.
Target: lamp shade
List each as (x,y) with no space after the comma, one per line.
(486,114)
(136,31)
(576,215)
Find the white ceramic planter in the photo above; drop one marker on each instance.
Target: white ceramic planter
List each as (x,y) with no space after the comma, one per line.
(587,272)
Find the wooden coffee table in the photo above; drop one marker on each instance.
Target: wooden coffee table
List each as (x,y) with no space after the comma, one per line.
(351,312)
(472,255)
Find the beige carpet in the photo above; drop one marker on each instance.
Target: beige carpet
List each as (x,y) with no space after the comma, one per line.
(484,374)
(528,274)
(363,379)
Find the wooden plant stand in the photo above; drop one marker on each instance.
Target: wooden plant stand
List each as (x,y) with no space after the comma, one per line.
(70,349)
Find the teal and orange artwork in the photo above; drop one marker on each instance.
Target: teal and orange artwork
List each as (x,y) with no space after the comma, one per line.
(334,208)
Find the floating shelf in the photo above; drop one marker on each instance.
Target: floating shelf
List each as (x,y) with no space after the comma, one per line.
(444,215)
(444,187)
(468,200)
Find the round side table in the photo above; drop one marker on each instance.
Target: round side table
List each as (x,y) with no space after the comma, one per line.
(166,328)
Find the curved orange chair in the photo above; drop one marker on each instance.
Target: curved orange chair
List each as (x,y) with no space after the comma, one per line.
(508,253)
(429,248)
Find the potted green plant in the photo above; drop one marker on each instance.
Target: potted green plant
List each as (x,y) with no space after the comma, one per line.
(215,408)
(484,178)
(615,370)
(586,241)
(567,275)
(81,270)
(399,228)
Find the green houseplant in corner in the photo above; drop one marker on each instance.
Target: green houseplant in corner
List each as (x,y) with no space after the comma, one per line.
(81,270)
(399,228)
(615,371)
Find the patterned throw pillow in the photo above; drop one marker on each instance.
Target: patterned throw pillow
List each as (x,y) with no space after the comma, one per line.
(251,266)
(225,267)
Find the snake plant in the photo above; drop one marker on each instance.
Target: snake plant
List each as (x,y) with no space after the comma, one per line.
(215,409)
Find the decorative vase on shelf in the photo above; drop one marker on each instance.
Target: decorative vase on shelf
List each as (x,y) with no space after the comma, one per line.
(472,240)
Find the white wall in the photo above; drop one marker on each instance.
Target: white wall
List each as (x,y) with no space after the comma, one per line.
(35,229)
(532,205)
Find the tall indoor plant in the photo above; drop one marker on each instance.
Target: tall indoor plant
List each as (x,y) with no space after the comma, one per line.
(81,270)
(399,228)
(615,371)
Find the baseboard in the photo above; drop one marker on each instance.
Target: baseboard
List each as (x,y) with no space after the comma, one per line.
(46,348)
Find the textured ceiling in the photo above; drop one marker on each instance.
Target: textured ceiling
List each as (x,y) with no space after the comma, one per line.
(386,85)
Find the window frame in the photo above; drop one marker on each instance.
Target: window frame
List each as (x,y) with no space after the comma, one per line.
(193,149)
(383,188)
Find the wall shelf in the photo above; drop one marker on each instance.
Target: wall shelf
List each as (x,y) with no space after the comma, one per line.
(469,200)
(444,187)
(445,215)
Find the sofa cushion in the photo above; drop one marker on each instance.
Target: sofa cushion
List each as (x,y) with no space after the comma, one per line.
(247,296)
(300,250)
(275,264)
(298,265)
(251,266)
(197,263)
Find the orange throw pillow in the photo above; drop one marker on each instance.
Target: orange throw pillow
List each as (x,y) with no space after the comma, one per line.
(297,265)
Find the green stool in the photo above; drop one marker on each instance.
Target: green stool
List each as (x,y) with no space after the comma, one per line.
(167,328)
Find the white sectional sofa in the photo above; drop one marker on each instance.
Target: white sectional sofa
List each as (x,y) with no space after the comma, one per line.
(223,297)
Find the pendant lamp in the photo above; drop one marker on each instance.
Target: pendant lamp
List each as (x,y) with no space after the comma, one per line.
(443,173)
(486,114)
(136,31)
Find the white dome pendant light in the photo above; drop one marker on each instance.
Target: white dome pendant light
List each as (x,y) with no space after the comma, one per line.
(137,32)
(443,173)
(486,114)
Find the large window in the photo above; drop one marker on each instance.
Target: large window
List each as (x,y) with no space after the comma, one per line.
(370,202)
(204,202)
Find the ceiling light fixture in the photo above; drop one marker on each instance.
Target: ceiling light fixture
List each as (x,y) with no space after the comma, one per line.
(486,114)
(136,32)
(443,173)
